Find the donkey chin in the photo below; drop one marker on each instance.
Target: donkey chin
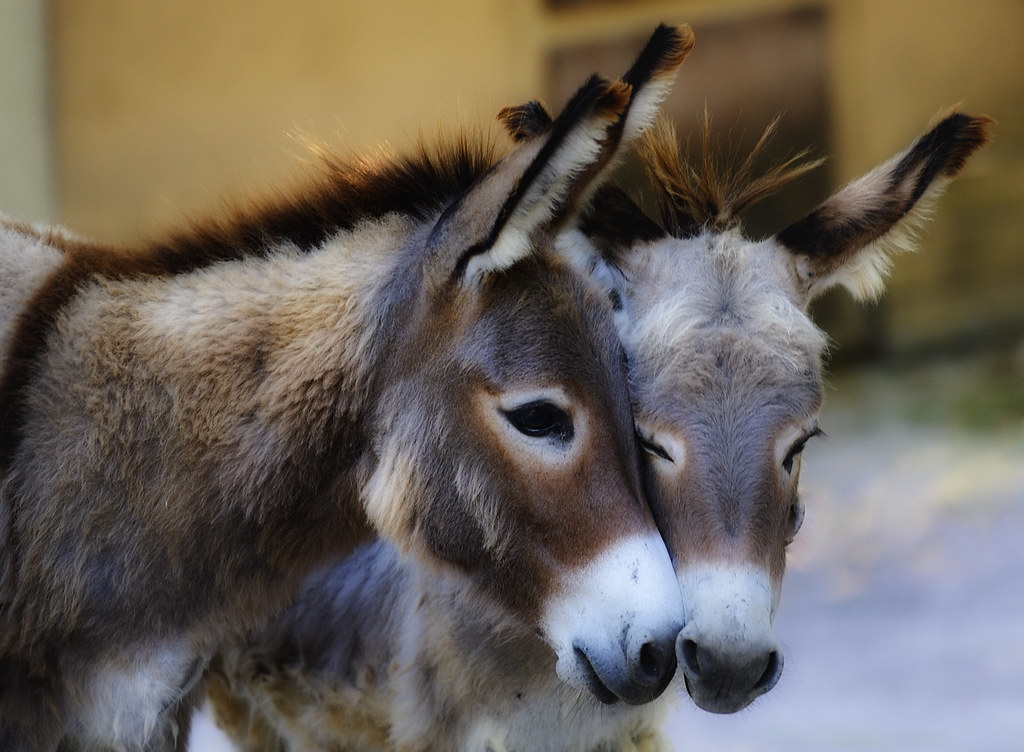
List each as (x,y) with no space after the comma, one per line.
(727,650)
(614,623)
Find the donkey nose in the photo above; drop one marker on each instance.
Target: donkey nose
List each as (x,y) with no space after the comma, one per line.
(724,678)
(637,675)
(651,667)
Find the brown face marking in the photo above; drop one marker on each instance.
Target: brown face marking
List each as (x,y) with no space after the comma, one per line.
(727,497)
(532,329)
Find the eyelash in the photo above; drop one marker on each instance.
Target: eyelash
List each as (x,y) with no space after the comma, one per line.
(798,447)
(652,448)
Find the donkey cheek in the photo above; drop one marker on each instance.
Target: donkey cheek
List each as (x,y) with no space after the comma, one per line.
(454,536)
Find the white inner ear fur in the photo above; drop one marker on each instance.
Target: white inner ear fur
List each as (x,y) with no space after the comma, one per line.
(512,246)
(645,106)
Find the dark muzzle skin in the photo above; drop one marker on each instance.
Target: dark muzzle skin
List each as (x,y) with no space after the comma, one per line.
(727,651)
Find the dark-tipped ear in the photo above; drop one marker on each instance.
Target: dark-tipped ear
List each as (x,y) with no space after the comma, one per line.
(525,121)
(493,225)
(558,164)
(650,77)
(649,80)
(652,74)
(614,224)
(849,239)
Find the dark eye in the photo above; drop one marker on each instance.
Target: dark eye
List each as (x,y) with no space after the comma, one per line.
(794,451)
(651,448)
(540,420)
(794,521)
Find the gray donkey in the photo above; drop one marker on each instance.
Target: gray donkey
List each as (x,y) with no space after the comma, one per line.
(189,428)
(726,381)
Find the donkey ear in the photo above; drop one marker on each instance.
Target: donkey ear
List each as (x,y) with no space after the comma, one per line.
(603,244)
(525,121)
(614,224)
(650,79)
(848,240)
(493,225)
(652,74)
(543,183)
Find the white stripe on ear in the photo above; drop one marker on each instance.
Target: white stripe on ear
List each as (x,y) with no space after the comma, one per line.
(865,272)
(650,78)
(589,151)
(511,246)
(573,145)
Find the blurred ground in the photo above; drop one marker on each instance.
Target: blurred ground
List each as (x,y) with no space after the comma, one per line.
(903,611)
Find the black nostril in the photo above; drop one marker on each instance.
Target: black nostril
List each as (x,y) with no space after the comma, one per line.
(771,673)
(656,660)
(690,662)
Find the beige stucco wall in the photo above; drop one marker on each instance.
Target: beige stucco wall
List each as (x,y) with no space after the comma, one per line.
(172,103)
(170,106)
(896,63)
(26,174)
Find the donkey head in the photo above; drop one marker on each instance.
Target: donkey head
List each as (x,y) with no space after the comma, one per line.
(506,445)
(725,371)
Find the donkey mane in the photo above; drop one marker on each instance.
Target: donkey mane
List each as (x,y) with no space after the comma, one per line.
(710,194)
(344,192)
(341,194)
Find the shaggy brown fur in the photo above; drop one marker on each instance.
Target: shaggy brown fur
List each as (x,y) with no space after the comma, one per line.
(190,427)
(712,192)
(425,660)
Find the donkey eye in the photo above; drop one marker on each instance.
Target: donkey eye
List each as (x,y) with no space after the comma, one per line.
(794,521)
(541,420)
(797,448)
(653,449)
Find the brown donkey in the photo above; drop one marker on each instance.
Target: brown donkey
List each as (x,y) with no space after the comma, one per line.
(379,652)
(725,372)
(189,428)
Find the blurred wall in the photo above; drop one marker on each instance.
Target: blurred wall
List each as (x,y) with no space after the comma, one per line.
(895,64)
(26,140)
(167,104)
(171,106)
